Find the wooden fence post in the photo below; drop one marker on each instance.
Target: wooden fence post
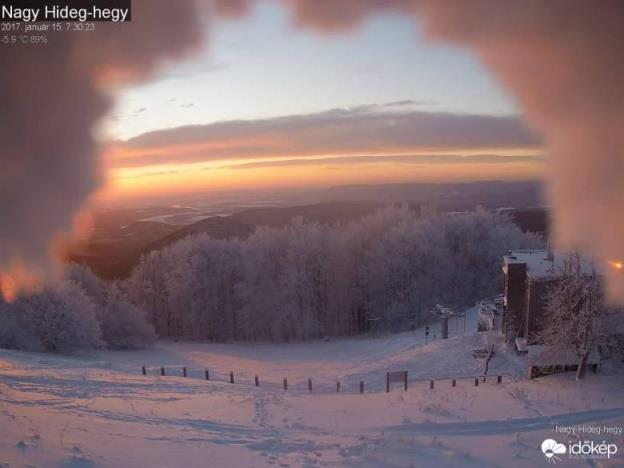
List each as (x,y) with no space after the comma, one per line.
(231,376)
(361,386)
(476,382)
(487,362)
(162,371)
(431,383)
(453,383)
(387,382)
(144,370)
(257,382)
(285,384)
(207,374)
(310,384)
(184,371)
(499,379)
(406,381)
(338,387)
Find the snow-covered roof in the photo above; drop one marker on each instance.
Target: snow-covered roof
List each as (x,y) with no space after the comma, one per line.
(539,265)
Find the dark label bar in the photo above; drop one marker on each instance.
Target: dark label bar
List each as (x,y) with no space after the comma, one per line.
(32,11)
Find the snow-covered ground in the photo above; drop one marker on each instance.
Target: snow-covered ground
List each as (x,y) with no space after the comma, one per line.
(98,410)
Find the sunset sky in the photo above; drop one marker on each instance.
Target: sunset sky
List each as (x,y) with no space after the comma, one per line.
(266,104)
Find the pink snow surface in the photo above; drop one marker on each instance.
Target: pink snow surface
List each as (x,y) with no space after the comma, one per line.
(97,409)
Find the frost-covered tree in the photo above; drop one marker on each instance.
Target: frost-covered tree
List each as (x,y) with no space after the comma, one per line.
(307,280)
(576,317)
(123,325)
(441,259)
(95,288)
(215,275)
(59,319)
(79,312)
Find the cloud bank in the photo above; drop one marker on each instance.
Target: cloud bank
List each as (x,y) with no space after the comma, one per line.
(364,130)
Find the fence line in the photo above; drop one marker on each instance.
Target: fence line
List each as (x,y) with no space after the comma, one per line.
(398,377)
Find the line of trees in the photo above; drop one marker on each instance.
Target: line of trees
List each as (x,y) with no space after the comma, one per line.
(308,280)
(299,282)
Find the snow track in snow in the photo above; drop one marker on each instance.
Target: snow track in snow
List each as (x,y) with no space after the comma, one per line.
(98,410)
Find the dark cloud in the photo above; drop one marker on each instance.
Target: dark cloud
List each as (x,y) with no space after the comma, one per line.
(364,129)
(340,15)
(406,102)
(232,8)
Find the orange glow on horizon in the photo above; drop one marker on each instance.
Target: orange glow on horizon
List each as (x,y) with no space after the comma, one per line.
(225,175)
(278,160)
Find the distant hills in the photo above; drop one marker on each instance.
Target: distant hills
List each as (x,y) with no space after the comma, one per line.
(490,194)
(122,236)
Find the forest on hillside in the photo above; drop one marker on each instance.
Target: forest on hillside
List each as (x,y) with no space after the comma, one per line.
(298,282)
